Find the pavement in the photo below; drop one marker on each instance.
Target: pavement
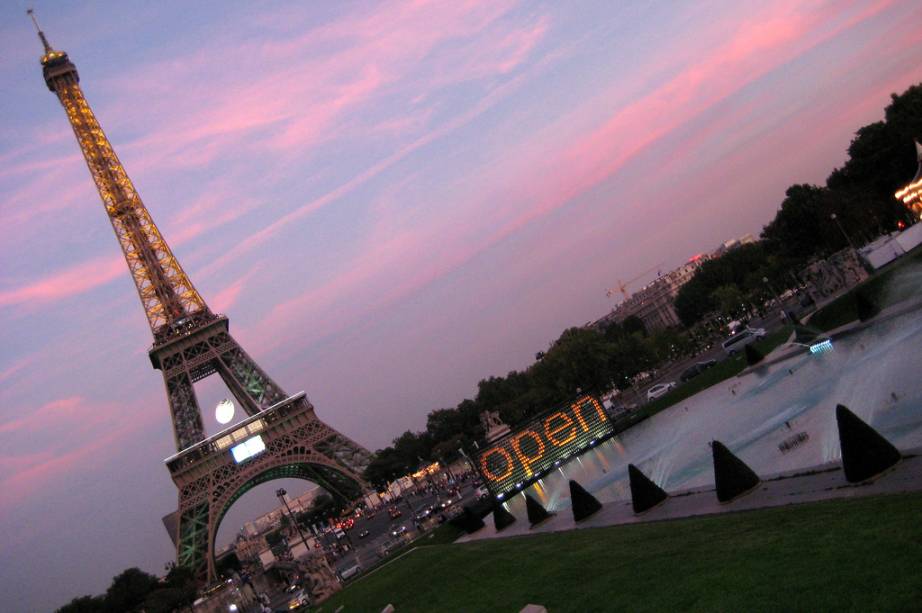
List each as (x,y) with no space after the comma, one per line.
(823,482)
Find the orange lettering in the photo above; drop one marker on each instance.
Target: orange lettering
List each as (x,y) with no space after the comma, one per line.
(579,416)
(598,408)
(485,469)
(552,433)
(524,459)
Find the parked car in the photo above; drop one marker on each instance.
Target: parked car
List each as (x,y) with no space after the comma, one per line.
(350,572)
(739,340)
(690,373)
(659,389)
(363,534)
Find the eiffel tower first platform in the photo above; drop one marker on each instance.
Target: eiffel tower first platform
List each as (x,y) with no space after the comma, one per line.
(281,436)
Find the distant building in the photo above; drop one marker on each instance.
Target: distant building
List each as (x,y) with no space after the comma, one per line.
(654,304)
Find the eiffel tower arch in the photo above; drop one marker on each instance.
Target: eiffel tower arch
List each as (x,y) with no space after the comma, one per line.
(281,437)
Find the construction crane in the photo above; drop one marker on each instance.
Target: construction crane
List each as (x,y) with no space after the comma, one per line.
(622,285)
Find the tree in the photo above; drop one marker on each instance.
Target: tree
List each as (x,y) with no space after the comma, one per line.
(84,604)
(729,299)
(129,589)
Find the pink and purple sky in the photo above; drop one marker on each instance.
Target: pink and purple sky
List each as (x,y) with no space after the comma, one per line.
(391,201)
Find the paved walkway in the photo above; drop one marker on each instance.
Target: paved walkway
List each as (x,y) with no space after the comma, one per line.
(824,482)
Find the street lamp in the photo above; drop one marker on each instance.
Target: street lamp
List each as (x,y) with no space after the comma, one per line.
(281,495)
(838,223)
(772,290)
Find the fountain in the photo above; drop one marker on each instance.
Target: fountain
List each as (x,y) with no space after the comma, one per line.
(781,417)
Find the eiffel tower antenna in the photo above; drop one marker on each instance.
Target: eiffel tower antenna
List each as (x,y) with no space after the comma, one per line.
(280,437)
(41,35)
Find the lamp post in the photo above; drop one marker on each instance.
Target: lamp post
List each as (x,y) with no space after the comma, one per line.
(281,495)
(841,229)
(772,290)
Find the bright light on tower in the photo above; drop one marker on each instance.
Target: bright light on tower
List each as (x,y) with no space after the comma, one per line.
(224,412)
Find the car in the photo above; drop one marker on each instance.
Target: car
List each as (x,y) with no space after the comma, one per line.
(447,502)
(742,338)
(394,512)
(350,572)
(482,493)
(690,373)
(707,364)
(398,530)
(659,389)
(363,534)
(300,600)
(423,514)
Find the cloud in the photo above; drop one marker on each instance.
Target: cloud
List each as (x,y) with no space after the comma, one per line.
(65,283)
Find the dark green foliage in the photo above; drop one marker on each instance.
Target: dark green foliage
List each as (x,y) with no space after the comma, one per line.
(536,512)
(644,493)
(865,453)
(864,306)
(584,504)
(753,355)
(129,589)
(84,604)
(732,476)
(501,517)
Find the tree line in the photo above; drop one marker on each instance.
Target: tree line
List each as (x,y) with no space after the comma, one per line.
(881,158)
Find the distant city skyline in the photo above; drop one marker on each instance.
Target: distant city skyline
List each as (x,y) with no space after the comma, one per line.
(390,201)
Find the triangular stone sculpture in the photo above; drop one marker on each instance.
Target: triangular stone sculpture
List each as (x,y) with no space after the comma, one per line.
(536,513)
(472,522)
(753,355)
(865,307)
(865,453)
(583,503)
(501,517)
(731,475)
(644,493)
(804,334)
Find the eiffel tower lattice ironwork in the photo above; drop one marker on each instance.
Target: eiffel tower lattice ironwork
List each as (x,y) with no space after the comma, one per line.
(281,435)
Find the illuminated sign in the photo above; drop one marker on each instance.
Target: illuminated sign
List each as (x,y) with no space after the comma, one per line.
(823,346)
(522,456)
(248,448)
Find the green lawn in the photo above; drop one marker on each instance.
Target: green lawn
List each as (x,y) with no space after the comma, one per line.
(857,555)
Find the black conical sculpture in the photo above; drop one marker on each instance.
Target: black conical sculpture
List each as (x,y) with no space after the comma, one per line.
(805,334)
(583,503)
(865,307)
(536,513)
(731,475)
(865,453)
(753,355)
(644,493)
(471,522)
(501,517)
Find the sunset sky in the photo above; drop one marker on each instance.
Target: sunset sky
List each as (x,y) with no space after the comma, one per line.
(391,201)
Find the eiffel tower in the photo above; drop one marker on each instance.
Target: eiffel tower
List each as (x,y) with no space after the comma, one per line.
(281,437)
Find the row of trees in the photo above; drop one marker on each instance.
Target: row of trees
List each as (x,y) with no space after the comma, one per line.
(135,590)
(581,360)
(860,194)
(881,158)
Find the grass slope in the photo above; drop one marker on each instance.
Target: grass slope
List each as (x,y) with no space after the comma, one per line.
(857,555)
